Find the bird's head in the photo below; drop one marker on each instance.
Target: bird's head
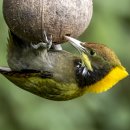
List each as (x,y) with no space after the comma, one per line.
(104,69)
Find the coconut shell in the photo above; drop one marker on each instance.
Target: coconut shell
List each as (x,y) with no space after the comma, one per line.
(28,19)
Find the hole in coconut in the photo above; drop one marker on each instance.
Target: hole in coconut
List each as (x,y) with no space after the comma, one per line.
(68,34)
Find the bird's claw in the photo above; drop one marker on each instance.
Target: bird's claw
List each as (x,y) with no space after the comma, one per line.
(48,40)
(44,45)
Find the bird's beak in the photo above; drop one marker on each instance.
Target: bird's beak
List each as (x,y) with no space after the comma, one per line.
(76,43)
(84,52)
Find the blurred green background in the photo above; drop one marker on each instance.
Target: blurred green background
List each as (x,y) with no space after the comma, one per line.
(21,110)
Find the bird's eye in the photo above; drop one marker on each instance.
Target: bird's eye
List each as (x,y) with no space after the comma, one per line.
(92,53)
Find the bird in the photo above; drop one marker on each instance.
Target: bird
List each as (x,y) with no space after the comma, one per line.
(59,75)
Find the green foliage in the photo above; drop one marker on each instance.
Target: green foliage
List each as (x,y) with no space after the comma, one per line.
(20,110)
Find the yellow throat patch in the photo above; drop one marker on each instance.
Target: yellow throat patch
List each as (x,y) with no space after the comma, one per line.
(114,76)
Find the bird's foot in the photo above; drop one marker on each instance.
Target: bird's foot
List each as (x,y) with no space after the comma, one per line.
(44,45)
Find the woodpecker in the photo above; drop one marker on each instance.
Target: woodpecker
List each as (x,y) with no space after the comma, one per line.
(59,75)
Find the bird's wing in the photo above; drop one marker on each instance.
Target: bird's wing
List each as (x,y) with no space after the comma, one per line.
(25,73)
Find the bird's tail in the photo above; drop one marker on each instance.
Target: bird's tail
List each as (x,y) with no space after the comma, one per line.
(4,69)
